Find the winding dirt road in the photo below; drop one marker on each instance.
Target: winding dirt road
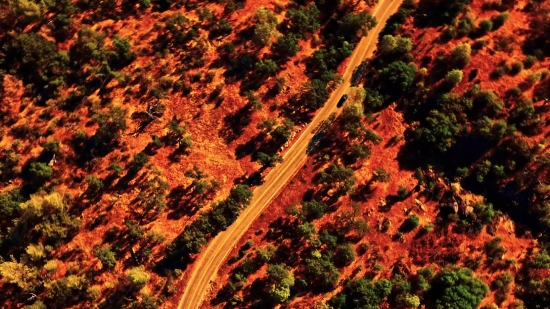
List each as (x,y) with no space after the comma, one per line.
(217,251)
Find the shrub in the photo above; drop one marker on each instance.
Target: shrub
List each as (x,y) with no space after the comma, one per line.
(106,256)
(287,45)
(51,146)
(457,288)
(137,277)
(411,223)
(402,192)
(529,61)
(454,77)
(314,209)
(140,159)
(266,67)
(380,174)
(461,54)
(500,19)
(345,254)
(115,168)
(94,183)
(40,171)
(485,26)
(516,68)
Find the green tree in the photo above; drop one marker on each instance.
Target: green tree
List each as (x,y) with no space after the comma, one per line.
(241,195)
(380,174)
(339,176)
(489,102)
(344,255)
(398,75)
(9,203)
(454,77)
(264,254)
(266,67)
(40,171)
(485,26)
(94,183)
(440,130)
(352,25)
(287,45)
(106,256)
(17,273)
(138,277)
(314,209)
(269,161)
(267,125)
(51,147)
(402,192)
(322,272)
(410,301)
(461,54)
(456,288)
(115,169)
(265,23)
(373,99)
(360,151)
(31,10)
(314,94)
(110,125)
(392,45)
(222,28)
(304,20)
(280,280)
(362,294)
(140,160)
(411,223)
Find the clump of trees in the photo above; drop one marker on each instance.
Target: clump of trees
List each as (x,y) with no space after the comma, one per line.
(195,235)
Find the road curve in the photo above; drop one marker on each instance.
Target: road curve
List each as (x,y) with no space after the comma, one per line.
(215,254)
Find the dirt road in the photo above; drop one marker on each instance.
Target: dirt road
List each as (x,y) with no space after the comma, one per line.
(211,260)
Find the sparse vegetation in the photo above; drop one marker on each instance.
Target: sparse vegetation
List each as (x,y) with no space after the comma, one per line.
(130,130)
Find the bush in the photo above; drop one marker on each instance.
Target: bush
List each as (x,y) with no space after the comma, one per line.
(140,159)
(287,45)
(40,171)
(94,183)
(106,256)
(345,254)
(461,54)
(115,168)
(529,61)
(457,288)
(266,67)
(402,192)
(314,209)
(516,68)
(380,174)
(485,26)
(500,19)
(51,146)
(411,223)
(454,77)
(137,277)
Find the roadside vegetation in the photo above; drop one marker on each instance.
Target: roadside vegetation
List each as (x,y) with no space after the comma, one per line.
(131,133)
(430,190)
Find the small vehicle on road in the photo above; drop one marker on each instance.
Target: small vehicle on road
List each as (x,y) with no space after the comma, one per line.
(342,100)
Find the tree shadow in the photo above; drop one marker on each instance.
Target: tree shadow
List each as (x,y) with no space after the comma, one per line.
(234,124)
